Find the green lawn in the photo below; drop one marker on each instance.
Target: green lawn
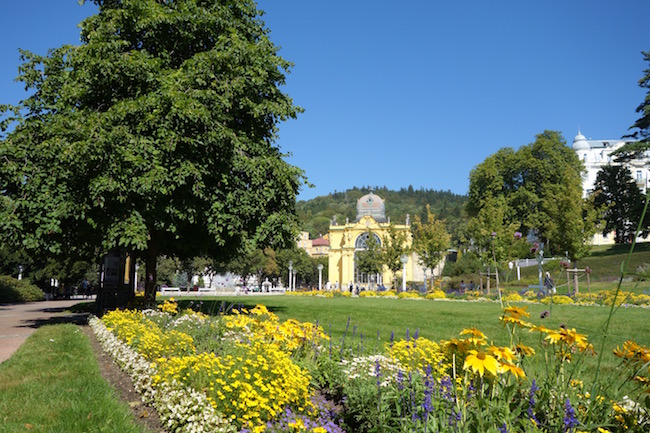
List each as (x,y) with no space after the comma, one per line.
(53,384)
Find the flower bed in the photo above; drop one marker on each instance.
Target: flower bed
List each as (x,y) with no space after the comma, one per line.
(246,371)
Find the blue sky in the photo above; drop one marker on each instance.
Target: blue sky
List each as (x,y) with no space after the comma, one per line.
(417,92)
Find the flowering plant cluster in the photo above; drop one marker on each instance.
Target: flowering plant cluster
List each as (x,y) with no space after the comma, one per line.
(249,383)
(258,374)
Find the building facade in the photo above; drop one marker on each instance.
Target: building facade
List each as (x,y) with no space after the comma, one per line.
(595,154)
(346,240)
(318,247)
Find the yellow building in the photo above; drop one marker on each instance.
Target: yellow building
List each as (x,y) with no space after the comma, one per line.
(318,247)
(345,240)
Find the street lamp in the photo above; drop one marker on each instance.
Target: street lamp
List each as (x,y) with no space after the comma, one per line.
(320,276)
(404,259)
(290,268)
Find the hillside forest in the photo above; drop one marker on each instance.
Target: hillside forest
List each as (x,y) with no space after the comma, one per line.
(315,214)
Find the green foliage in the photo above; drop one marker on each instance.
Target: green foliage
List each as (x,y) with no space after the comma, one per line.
(534,190)
(393,247)
(315,214)
(635,149)
(430,240)
(13,290)
(370,260)
(620,201)
(466,263)
(157,130)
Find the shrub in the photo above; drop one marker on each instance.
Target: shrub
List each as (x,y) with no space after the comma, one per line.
(513,297)
(367,294)
(13,290)
(409,295)
(557,299)
(436,294)
(388,293)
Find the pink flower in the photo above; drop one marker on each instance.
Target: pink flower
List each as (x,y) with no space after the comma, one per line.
(517,235)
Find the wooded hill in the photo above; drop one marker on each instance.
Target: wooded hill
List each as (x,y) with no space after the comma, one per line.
(315,214)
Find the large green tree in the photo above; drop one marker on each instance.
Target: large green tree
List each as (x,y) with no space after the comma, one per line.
(537,190)
(616,192)
(155,135)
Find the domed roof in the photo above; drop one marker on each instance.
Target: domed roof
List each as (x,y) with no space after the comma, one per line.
(580,142)
(372,205)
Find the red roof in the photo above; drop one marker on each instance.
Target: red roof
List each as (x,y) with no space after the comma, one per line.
(320,242)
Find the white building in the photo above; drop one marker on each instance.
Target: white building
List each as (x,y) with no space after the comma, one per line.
(595,154)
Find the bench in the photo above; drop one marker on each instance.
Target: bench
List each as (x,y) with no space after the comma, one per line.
(165,290)
(209,290)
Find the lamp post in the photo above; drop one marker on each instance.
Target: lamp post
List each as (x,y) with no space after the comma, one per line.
(320,276)
(424,272)
(294,280)
(404,259)
(290,268)
(20,272)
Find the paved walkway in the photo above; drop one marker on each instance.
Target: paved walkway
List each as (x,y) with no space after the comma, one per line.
(19,321)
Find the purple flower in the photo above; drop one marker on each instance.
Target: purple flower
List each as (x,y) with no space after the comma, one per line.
(400,380)
(446,388)
(531,401)
(378,372)
(494,234)
(517,235)
(503,428)
(570,421)
(455,417)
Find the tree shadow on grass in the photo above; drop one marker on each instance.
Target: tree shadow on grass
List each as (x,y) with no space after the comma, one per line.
(80,319)
(215,307)
(57,315)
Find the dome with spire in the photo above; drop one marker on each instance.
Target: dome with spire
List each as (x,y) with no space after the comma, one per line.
(580,142)
(371,205)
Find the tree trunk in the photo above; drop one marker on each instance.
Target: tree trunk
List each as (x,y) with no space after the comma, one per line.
(151,258)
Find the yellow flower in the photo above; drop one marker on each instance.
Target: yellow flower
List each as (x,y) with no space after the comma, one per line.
(516,321)
(502,353)
(512,369)
(524,350)
(516,312)
(473,332)
(553,336)
(480,361)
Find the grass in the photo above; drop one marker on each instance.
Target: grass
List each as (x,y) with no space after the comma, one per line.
(53,384)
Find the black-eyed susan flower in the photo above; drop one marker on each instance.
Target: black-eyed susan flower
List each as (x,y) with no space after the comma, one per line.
(506,367)
(475,333)
(516,312)
(524,350)
(480,361)
(501,353)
